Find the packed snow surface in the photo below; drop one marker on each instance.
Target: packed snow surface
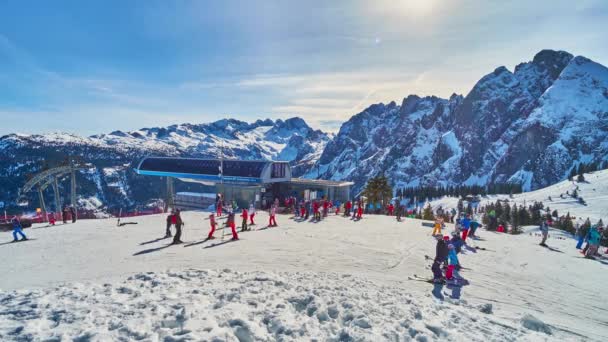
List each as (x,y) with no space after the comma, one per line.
(336,280)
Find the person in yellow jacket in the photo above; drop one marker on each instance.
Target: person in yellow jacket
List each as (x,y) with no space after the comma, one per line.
(437,227)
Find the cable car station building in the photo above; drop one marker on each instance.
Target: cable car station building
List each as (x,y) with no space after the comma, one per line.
(244,181)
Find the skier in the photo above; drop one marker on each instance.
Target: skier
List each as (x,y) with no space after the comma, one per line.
(325,208)
(500,229)
(398,209)
(52,219)
(251,214)
(177,218)
(302,210)
(218,205)
(232,225)
(308,209)
(594,241)
(466,224)
(245,216)
(544,229)
(457,242)
(272,222)
(64,215)
(18,229)
(474,226)
(169,224)
(212,225)
(360,211)
(441,254)
(453,263)
(315,209)
(347,208)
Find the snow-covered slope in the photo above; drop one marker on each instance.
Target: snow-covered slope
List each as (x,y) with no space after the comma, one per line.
(529,126)
(114,155)
(337,280)
(594,191)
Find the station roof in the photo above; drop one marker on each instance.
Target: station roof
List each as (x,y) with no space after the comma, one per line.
(205,169)
(320,182)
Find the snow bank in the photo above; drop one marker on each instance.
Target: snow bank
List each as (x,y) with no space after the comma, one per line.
(258,306)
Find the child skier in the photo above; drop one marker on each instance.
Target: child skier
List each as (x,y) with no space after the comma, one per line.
(453,263)
(232,225)
(177,218)
(169,224)
(272,222)
(18,229)
(251,214)
(441,253)
(212,224)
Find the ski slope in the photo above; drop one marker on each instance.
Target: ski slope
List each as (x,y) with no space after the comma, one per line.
(594,190)
(336,280)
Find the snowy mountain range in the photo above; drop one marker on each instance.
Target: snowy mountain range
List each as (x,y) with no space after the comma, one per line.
(530,125)
(111,180)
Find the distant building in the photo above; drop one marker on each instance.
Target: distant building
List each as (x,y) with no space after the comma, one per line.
(244,181)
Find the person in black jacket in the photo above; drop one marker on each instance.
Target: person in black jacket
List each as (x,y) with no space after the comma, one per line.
(441,255)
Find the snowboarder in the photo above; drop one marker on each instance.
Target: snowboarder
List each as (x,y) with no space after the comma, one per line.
(232,225)
(437,227)
(169,224)
(18,230)
(272,222)
(212,225)
(245,216)
(441,254)
(177,218)
(544,229)
(251,214)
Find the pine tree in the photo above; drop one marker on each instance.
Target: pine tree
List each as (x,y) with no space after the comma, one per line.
(506,215)
(427,213)
(554,214)
(567,224)
(515,220)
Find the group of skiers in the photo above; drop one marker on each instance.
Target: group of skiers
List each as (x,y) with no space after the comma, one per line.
(448,248)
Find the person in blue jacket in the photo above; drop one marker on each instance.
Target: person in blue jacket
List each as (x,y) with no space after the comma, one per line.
(18,229)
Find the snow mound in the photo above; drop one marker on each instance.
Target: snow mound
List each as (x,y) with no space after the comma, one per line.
(228,306)
(533,323)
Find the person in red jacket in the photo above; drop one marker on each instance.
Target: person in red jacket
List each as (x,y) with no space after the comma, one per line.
(347,208)
(360,210)
(212,224)
(232,225)
(245,216)
(325,207)
(302,210)
(391,209)
(315,210)
(500,229)
(272,221)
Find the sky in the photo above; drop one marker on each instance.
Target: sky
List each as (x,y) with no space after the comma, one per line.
(89,67)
